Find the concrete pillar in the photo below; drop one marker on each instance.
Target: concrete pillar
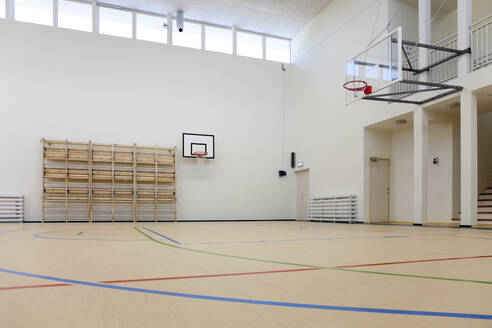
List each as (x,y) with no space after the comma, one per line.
(203,36)
(95,17)
(134,25)
(424,36)
(234,40)
(464,22)
(469,158)
(55,13)
(10,9)
(169,29)
(420,156)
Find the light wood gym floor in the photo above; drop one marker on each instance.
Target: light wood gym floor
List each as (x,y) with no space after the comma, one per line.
(244,274)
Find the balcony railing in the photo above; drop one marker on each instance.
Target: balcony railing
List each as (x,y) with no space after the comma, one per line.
(481,46)
(481,42)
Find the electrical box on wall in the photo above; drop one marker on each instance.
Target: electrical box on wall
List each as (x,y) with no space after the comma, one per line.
(435,160)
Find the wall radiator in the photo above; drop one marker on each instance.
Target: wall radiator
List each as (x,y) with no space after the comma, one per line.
(333,209)
(11,208)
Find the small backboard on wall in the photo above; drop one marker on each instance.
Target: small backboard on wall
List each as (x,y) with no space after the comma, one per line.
(197,145)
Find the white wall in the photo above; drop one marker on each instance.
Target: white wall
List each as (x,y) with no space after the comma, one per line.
(406,15)
(445,24)
(60,84)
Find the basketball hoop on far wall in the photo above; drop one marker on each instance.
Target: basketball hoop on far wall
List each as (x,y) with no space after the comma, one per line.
(200,154)
(357,86)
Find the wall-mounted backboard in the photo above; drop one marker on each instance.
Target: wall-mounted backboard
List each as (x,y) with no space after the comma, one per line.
(388,71)
(194,142)
(380,65)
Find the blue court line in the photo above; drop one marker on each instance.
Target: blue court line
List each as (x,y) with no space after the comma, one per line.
(21,229)
(39,235)
(161,235)
(258,302)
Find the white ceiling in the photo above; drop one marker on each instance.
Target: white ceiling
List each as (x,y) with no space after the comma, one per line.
(276,17)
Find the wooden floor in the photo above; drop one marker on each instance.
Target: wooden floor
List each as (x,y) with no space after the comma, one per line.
(244,274)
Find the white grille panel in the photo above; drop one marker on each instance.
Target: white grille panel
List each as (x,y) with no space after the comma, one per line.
(11,208)
(334,208)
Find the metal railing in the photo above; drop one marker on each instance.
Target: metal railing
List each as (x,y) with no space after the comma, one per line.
(438,74)
(481,42)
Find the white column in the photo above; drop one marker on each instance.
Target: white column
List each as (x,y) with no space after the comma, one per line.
(263,44)
(55,13)
(10,9)
(420,161)
(134,25)
(424,35)
(469,158)
(464,22)
(234,40)
(95,17)
(203,36)
(169,29)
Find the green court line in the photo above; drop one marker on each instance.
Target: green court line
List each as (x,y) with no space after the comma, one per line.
(312,266)
(80,233)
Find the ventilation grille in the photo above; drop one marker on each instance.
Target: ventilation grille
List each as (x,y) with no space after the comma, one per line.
(333,209)
(11,208)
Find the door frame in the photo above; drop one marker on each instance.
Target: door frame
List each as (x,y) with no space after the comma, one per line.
(369,187)
(297,201)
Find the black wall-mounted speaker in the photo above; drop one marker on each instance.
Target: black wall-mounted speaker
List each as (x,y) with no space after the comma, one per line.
(282,173)
(293,160)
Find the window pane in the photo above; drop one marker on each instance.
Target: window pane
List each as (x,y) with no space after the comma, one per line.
(75,15)
(218,39)
(249,45)
(278,50)
(190,37)
(2,8)
(151,28)
(34,11)
(115,22)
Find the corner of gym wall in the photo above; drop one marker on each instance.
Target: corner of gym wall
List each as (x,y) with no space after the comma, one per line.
(60,84)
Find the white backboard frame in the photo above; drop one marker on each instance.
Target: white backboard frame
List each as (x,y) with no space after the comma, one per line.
(198,142)
(351,96)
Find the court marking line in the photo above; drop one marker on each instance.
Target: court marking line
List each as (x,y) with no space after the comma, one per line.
(313,266)
(167,278)
(257,302)
(80,233)
(40,235)
(161,235)
(284,240)
(416,261)
(33,286)
(21,229)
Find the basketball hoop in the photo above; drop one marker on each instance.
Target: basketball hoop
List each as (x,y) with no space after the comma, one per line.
(358,85)
(200,154)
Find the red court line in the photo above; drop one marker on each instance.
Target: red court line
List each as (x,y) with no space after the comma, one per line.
(414,261)
(208,275)
(254,273)
(168,278)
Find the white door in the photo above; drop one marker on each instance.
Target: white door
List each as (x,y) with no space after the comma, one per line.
(379,191)
(302,194)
